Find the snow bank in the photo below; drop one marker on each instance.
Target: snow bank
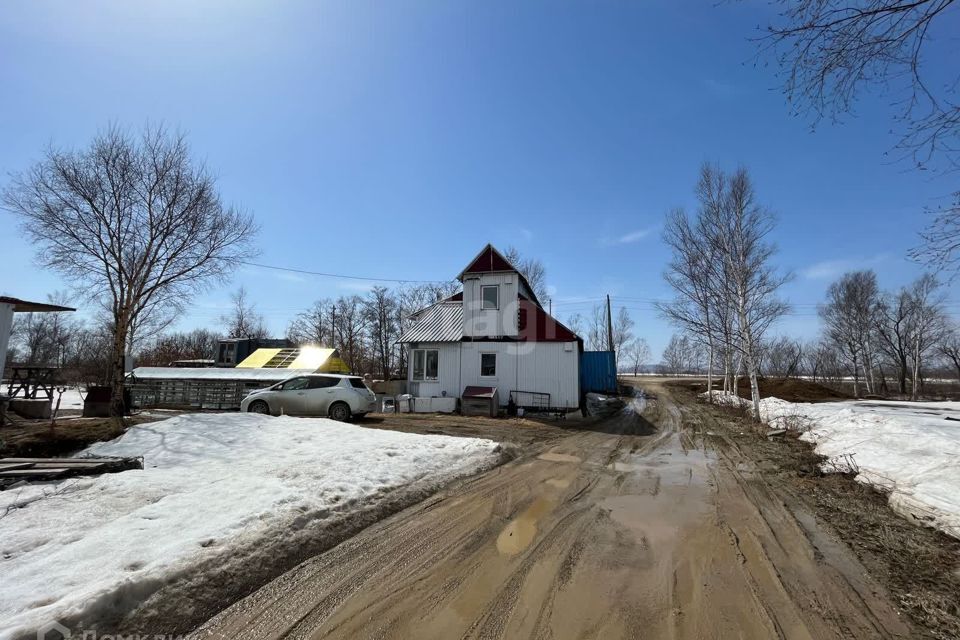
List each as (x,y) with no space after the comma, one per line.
(910,449)
(211,483)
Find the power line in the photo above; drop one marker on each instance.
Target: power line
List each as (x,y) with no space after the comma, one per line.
(338,275)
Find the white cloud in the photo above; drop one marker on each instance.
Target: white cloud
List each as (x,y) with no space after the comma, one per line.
(829,269)
(628,238)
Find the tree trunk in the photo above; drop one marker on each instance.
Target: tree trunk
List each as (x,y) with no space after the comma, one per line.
(710,371)
(856,378)
(902,375)
(916,371)
(752,371)
(118,361)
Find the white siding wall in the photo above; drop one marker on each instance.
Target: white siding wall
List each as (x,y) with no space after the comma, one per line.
(478,322)
(540,367)
(448,371)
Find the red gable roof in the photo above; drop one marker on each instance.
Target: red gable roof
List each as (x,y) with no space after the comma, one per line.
(489,260)
(536,325)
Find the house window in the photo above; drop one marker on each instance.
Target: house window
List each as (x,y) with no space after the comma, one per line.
(488,365)
(490,297)
(426,364)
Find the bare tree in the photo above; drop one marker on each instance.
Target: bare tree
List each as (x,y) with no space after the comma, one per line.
(928,324)
(750,283)
(134,222)
(45,338)
(243,320)
(949,348)
(533,270)
(596,338)
(695,307)
(349,327)
(575,323)
(834,49)
(380,309)
(622,331)
(313,326)
(849,318)
(638,354)
(940,246)
(188,345)
(784,357)
(683,355)
(893,327)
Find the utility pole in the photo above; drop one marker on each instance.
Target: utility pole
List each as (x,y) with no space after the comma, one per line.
(609,326)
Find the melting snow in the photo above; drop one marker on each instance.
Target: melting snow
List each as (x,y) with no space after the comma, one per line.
(210,482)
(910,449)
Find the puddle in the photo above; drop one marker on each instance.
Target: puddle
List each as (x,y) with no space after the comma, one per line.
(659,500)
(518,535)
(558,457)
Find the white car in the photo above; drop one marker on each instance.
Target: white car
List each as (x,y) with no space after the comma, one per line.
(316,394)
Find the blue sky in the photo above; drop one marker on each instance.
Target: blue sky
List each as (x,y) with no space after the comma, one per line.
(396,139)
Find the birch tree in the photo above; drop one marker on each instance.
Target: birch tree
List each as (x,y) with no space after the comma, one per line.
(928,325)
(849,317)
(689,274)
(741,229)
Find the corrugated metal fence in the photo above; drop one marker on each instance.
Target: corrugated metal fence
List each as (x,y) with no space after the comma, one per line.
(598,372)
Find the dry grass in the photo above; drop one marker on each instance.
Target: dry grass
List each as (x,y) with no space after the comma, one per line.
(35,439)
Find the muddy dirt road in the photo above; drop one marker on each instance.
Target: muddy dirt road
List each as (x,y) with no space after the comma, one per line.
(632,530)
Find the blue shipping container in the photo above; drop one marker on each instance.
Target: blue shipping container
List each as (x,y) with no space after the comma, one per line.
(598,372)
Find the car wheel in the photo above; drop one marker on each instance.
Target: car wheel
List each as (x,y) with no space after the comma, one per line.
(340,411)
(259,406)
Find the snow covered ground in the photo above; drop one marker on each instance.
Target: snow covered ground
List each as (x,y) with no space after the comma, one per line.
(911,449)
(72,399)
(211,484)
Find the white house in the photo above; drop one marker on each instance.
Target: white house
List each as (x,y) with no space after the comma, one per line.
(494,334)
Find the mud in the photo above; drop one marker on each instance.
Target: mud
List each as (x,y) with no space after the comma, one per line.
(636,528)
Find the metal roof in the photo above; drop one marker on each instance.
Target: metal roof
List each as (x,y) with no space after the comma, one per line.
(443,322)
(207,373)
(21,306)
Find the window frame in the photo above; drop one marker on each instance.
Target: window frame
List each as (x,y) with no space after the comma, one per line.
(306,380)
(330,380)
(488,353)
(423,375)
(483,299)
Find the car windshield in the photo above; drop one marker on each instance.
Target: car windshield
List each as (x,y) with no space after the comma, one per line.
(357,383)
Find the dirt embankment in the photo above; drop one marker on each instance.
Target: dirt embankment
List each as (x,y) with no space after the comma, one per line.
(789,389)
(36,439)
(920,567)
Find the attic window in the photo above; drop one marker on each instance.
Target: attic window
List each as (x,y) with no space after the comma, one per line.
(490,297)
